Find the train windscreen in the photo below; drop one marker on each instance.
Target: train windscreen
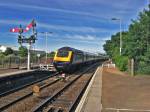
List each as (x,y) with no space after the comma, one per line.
(62,54)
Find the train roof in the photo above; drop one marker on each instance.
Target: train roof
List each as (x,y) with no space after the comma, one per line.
(70,49)
(76,51)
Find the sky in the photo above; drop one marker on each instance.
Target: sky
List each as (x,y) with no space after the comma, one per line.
(81,24)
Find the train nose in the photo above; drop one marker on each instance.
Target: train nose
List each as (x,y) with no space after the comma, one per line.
(61,65)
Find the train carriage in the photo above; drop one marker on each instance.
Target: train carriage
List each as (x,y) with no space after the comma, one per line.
(68,59)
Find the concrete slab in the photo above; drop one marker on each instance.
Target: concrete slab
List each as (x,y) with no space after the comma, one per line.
(91,100)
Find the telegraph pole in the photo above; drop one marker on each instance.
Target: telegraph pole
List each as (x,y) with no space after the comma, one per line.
(46,46)
(46,35)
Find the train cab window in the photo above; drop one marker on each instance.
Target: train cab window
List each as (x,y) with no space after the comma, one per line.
(62,53)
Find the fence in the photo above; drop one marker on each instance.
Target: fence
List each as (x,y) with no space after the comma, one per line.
(19,62)
(12,62)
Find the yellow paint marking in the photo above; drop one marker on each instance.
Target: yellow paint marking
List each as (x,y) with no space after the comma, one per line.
(65,59)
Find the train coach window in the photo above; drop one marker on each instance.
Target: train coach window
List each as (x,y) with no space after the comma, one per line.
(62,53)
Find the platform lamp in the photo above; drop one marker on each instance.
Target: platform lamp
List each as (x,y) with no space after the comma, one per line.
(120,22)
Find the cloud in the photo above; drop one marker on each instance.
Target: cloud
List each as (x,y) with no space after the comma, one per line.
(28,7)
(73,38)
(81,37)
(13,22)
(84,29)
(96,16)
(86,38)
(8,34)
(73,28)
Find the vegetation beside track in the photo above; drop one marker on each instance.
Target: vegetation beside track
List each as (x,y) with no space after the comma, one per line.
(135,45)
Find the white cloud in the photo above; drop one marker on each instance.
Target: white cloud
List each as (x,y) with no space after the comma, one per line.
(71,28)
(80,37)
(87,38)
(13,22)
(14,5)
(84,29)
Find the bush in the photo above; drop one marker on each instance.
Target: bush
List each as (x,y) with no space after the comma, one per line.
(121,62)
(143,68)
(2,55)
(23,51)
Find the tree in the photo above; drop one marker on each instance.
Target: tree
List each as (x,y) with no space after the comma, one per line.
(8,51)
(51,54)
(136,44)
(2,55)
(23,51)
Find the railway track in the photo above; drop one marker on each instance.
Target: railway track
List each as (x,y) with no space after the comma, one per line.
(13,96)
(11,84)
(27,102)
(67,98)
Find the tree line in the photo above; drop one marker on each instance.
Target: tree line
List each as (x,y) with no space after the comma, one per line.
(136,45)
(22,52)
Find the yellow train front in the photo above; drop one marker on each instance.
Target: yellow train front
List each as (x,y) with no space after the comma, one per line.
(68,59)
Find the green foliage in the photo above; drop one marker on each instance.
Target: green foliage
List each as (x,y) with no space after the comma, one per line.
(143,68)
(8,51)
(2,55)
(51,54)
(23,51)
(121,62)
(136,44)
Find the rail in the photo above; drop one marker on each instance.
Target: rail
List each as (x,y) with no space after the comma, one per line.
(23,86)
(51,99)
(29,93)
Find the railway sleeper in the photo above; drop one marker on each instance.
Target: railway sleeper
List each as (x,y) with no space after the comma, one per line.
(53,109)
(60,103)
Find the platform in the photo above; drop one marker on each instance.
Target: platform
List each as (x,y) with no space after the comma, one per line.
(91,100)
(14,73)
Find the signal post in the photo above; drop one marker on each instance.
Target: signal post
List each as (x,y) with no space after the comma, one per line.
(29,40)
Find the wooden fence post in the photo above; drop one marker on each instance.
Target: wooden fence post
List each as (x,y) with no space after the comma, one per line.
(132,67)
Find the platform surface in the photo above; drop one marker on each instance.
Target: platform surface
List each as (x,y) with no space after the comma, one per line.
(91,100)
(14,73)
(125,93)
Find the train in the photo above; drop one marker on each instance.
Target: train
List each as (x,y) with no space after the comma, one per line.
(69,59)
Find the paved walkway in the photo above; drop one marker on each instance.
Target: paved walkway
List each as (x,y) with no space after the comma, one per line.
(124,93)
(91,100)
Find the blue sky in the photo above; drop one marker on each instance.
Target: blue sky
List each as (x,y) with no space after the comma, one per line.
(82,24)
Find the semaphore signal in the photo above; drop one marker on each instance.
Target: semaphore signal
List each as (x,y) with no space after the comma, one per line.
(22,39)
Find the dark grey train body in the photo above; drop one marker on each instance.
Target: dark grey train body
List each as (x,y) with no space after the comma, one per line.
(68,59)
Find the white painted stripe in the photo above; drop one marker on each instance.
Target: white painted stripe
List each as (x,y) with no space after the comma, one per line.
(101,79)
(132,110)
(83,99)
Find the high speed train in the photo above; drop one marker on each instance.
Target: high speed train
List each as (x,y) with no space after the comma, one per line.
(68,59)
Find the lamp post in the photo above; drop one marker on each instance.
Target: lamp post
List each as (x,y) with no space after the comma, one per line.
(120,22)
(46,35)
